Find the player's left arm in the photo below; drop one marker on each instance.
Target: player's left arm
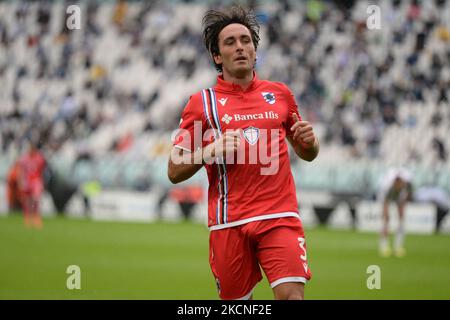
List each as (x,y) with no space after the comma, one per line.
(303,139)
(405,196)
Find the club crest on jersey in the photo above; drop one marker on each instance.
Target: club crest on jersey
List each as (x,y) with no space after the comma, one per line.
(251,134)
(269,97)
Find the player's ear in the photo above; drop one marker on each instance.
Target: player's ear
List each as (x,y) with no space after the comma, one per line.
(217,58)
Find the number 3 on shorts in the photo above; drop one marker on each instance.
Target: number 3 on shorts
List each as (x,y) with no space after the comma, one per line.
(302,246)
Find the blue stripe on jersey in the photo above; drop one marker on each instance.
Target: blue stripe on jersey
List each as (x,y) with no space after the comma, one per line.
(216,136)
(215,114)
(205,109)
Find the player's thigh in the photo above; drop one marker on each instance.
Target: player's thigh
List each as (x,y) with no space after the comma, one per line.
(233,262)
(282,253)
(36,190)
(401,210)
(27,201)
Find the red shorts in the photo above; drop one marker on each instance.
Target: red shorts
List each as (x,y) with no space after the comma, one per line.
(33,190)
(235,255)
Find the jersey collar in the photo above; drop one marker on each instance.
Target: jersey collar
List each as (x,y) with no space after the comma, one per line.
(232,87)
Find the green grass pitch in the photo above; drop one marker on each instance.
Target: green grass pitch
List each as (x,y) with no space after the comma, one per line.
(170,261)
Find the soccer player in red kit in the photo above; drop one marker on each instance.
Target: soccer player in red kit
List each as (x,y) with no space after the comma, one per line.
(238,131)
(13,191)
(30,177)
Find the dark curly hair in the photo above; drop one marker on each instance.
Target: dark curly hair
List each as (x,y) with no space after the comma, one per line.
(214,21)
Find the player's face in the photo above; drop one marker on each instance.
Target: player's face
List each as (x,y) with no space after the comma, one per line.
(237,51)
(32,147)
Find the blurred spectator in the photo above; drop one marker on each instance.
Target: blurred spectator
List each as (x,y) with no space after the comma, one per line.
(443,33)
(97,72)
(347,136)
(374,137)
(43,16)
(436,119)
(123,143)
(120,12)
(414,10)
(314,10)
(68,108)
(389,114)
(443,96)
(439,148)
(43,61)
(91,17)
(4,38)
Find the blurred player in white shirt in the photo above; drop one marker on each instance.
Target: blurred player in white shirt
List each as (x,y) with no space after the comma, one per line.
(396,187)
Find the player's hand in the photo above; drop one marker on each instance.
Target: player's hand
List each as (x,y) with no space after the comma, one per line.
(227,144)
(303,132)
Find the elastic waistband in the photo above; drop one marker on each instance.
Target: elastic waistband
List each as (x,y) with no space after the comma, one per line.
(256,218)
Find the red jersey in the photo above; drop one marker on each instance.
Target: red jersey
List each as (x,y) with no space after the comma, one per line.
(256,183)
(13,191)
(31,169)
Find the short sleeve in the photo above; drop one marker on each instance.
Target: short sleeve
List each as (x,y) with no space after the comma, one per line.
(292,108)
(189,134)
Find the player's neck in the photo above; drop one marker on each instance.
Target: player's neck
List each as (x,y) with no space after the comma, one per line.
(244,81)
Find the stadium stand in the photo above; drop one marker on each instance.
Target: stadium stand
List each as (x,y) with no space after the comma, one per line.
(105,99)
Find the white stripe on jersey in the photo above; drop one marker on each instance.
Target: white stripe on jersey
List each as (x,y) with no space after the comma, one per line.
(257,218)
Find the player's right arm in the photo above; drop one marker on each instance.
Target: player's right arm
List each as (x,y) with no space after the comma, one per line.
(189,151)
(186,155)
(184,164)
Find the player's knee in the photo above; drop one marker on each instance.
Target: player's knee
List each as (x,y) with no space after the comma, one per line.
(295,296)
(290,296)
(289,292)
